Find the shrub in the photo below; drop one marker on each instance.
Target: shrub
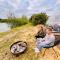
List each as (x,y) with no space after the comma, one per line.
(40,18)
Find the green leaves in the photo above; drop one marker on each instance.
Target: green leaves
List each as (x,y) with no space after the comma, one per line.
(14,22)
(39,18)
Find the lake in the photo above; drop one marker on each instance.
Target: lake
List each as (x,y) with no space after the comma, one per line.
(4,27)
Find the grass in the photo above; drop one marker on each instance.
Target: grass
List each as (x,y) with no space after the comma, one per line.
(15,29)
(24,33)
(15,22)
(5,45)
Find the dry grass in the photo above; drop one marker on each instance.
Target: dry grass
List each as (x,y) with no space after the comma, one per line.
(24,33)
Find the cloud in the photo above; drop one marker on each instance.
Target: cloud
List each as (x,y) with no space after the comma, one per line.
(1,0)
(29,7)
(35,4)
(57,1)
(14,3)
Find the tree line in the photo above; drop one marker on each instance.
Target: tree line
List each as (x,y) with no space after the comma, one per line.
(39,18)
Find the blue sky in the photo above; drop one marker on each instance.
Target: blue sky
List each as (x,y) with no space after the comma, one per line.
(29,7)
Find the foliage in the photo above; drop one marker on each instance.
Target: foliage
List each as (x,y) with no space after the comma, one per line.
(35,19)
(14,22)
(39,18)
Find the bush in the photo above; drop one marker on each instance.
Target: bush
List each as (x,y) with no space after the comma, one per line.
(18,22)
(40,18)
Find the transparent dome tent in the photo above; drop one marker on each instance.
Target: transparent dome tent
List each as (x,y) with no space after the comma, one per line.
(54,22)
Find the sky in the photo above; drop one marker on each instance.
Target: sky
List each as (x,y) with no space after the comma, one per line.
(29,7)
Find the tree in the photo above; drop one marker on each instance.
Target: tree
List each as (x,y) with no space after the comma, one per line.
(40,18)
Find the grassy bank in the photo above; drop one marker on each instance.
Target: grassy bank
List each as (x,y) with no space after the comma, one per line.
(15,22)
(15,29)
(24,33)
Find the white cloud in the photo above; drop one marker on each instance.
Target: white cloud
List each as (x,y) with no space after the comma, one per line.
(57,1)
(33,4)
(14,3)
(1,0)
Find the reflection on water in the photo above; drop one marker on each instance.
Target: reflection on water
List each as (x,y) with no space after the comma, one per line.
(4,27)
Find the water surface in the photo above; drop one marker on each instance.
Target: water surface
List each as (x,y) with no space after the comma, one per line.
(4,27)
